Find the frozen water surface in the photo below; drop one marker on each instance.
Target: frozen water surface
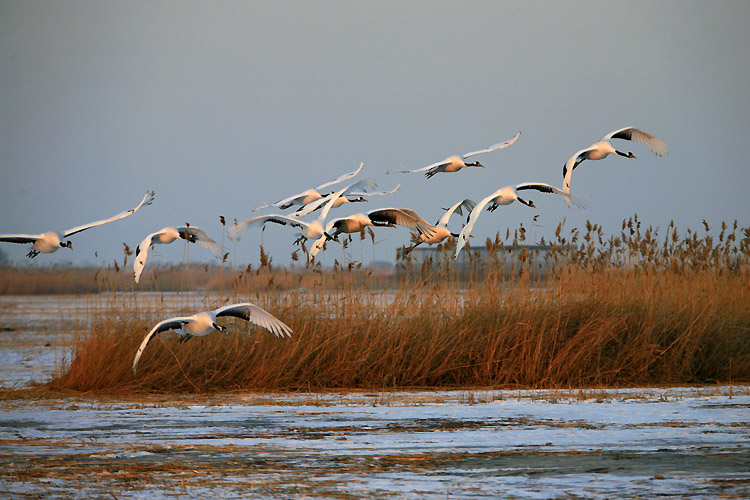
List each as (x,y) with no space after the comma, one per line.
(644,443)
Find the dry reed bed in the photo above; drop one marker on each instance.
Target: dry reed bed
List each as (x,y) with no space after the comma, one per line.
(632,309)
(602,329)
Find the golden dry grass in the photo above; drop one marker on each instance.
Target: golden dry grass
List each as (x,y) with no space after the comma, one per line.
(605,329)
(639,308)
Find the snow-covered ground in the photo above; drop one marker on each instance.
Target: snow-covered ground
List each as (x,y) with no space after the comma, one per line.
(646,443)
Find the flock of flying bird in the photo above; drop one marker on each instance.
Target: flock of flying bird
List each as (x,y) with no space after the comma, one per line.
(319,231)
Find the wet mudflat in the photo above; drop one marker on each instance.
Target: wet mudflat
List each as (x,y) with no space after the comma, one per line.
(644,443)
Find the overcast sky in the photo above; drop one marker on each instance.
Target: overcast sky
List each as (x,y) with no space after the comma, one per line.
(219,106)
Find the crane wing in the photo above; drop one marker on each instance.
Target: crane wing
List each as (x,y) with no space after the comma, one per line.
(147,200)
(20,238)
(548,188)
(167,324)
(341,178)
(256,315)
(463,236)
(655,144)
(540,186)
(457,208)
(315,205)
(197,235)
(441,163)
(571,165)
(401,217)
(495,147)
(329,204)
(291,200)
(236,230)
(371,193)
(141,254)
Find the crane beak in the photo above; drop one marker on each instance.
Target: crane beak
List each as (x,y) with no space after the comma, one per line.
(528,203)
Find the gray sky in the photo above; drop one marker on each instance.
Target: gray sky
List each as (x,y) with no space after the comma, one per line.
(219,106)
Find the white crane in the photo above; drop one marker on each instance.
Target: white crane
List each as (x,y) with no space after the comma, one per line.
(203,323)
(505,196)
(51,241)
(167,235)
(310,195)
(441,231)
(307,230)
(356,194)
(381,217)
(604,148)
(455,163)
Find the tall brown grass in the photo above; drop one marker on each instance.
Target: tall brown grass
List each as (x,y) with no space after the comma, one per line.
(633,309)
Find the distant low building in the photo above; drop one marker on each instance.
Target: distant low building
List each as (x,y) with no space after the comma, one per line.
(508,256)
